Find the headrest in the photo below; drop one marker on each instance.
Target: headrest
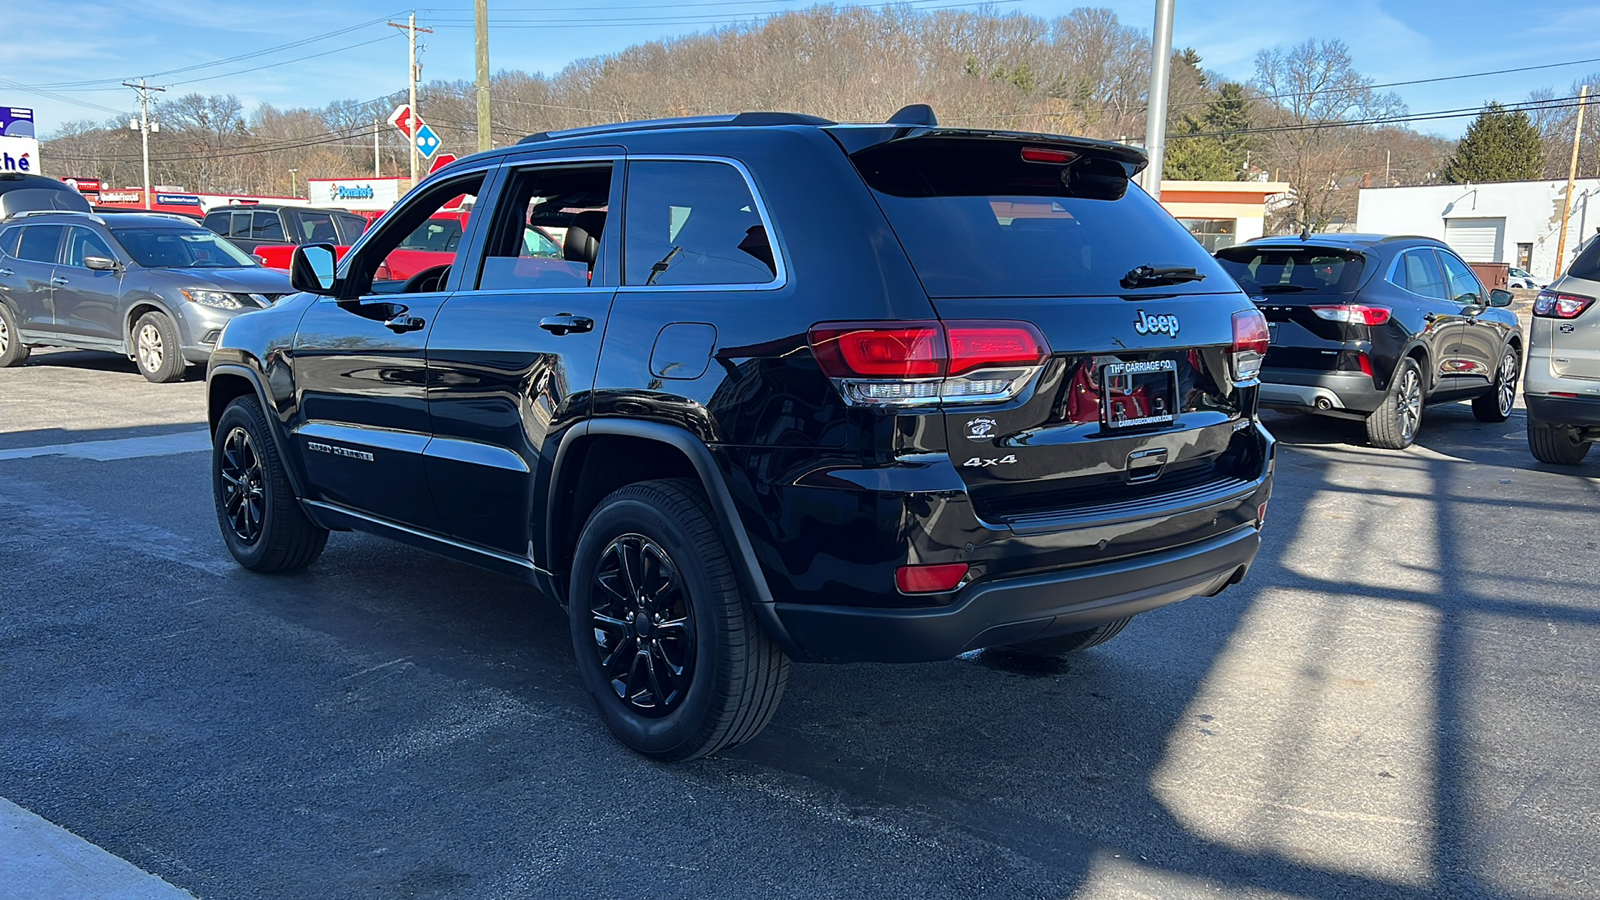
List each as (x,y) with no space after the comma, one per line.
(583,237)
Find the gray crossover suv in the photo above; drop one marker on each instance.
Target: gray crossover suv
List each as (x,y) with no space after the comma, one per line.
(1562,387)
(153,287)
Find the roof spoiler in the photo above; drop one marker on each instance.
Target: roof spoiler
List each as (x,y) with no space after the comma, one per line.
(915,114)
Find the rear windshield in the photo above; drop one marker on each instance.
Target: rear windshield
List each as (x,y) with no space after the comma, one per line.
(1293,270)
(977,220)
(1587,265)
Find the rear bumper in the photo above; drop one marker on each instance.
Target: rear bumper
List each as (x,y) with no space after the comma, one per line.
(1010,611)
(1351,392)
(1581,411)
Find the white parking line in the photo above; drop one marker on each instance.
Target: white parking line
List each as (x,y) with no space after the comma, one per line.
(120,448)
(41,861)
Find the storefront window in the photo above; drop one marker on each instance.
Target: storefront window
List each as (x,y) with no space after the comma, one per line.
(1213,234)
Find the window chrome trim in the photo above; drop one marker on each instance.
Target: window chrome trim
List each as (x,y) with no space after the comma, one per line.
(780,278)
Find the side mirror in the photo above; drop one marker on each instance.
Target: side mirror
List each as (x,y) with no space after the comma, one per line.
(99,263)
(1498,297)
(311,269)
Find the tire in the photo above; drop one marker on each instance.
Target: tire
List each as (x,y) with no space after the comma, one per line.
(1395,423)
(710,678)
(1063,644)
(260,518)
(1495,406)
(156,350)
(13,352)
(1556,444)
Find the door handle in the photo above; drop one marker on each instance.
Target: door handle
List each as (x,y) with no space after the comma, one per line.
(6,272)
(566,323)
(58,281)
(402,323)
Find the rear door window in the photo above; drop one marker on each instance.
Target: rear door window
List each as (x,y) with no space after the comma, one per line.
(977,219)
(1420,274)
(350,228)
(694,222)
(40,243)
(1293,270)
(266,226)
(317,228)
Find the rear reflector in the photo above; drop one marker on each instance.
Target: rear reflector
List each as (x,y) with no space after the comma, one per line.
(1047,155)
(929,579)
(1353,313)
(1556,305)
(1250,338)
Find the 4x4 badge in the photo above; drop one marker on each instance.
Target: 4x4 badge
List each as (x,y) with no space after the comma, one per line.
(980,429)
(1147,324)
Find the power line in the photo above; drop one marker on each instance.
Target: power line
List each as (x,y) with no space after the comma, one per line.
(709,19)
(1457,113)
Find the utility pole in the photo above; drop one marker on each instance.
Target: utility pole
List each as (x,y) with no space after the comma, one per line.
(1572,176)
(414,74)
(481,18)
(377,167)
(1155,127)
(144,127)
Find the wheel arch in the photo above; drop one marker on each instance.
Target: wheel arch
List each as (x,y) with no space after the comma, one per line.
(228,382)
(137,308)
(598,456)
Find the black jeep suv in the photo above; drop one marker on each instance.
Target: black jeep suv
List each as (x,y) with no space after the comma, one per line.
(1373,328)
(792,390)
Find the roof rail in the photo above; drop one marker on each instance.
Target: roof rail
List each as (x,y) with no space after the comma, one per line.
(740,120)
(55,212)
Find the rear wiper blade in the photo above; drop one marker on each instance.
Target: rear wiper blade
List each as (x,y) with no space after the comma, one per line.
(1153,276)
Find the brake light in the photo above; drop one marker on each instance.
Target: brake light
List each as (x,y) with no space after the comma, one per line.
(1353,313)
(1250,338)
(902,364)
(929,579)
(1047,155)
(1556,305)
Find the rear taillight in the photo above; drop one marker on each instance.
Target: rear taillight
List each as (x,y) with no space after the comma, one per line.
(1353,313)
(905,364)
(1250,337)
(1047,155)
(1556,305)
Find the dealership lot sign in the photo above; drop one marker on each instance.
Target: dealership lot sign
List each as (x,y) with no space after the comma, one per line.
(19,144)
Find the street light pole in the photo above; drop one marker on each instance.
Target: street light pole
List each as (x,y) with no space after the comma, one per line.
(1155,128)
(294,186)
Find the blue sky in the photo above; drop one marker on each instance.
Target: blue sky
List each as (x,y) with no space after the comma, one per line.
(78,50)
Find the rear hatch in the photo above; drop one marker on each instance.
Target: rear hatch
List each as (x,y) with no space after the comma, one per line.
(1133,398)
(1307,294)
(1567,309)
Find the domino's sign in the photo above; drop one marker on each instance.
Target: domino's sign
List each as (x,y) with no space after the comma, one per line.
(350,192)
(355,193)
(19,144)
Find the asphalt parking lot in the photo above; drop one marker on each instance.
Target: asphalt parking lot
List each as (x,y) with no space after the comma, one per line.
(1399,702)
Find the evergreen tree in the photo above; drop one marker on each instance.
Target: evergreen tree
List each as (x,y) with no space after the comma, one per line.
(1498,146)
(1194,155)
(1229,114)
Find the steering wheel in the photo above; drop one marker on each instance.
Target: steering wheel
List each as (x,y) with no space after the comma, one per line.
(426,281)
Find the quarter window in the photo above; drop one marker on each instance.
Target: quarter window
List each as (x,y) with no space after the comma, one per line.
(266,226)
(317,228)
(8,241)
(40,242)
(694,223)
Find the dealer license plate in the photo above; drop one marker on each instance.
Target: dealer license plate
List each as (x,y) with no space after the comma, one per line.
(1139,393)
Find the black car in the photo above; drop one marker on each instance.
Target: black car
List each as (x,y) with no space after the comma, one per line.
(150,286)
(793,390)
(1375,327)
(264,223)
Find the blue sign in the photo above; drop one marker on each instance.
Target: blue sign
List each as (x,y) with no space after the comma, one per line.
(16,122)
(178,199)
(427,142)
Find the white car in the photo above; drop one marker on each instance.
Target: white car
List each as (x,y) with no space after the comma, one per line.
(1562,384)
(1520,278)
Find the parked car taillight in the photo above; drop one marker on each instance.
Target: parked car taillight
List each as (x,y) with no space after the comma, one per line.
(1250,338)
(1556,305)
(1353,313)
(910,364)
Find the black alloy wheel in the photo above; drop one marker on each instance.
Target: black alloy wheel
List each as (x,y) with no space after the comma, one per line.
(260,519)
(643,625)
(243,486)
(667,647)
(1495,406)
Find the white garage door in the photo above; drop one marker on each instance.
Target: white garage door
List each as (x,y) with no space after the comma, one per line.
(1477,240)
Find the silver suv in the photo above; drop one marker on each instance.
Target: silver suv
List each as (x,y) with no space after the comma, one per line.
(1562,387)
